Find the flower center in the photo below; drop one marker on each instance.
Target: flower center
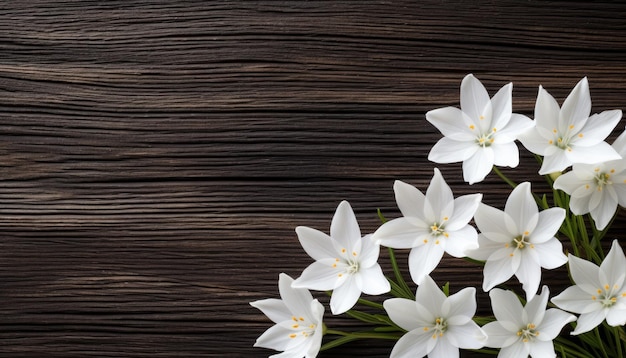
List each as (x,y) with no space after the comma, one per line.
(521,241)
(602,178)
(528,334)
(485,139)
(440,326)
(607,295)
(301,328)
(562,141)
(351,261)
(436,230)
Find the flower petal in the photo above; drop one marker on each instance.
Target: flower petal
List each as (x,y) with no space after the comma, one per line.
(321,275)
(505,154)
(443,348)
(516,350)
(542,349)
(529,274)
(613,268)
(502,104)
(521,207)
(411,345)
(464,208)
(546,110)
(403,312)
(401,233)
(588,321)
(460,242)
(275,337)
(598,127)
(556,162)
(344,228)
(496,272)
(373,281)
(592,154)
(424,259)
(409,199)
(466,336)
(584,273)
(430,296)
(490,219)
(476,167)
(507,308)
(451,122)
(575,300)
(345,296)
(447,150)
(273,308)
(518,125)
(536,306)
(617,317)
(460,307)
(438,198)
(474,97)
(576,107)
(498,336)
(605,210)
(552,324)
(316,244)
(551,254)
(534,141)
(548,224)
(297,300)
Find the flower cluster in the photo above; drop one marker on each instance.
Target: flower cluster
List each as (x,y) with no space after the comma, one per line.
(588,176)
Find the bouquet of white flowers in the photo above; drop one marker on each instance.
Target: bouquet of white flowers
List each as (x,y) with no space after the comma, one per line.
(518,241)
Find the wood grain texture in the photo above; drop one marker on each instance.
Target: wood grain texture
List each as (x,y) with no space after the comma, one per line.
(155,156)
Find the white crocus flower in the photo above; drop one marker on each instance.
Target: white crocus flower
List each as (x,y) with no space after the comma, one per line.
(431,225)
(345,262)
(437,325)
(520,331)
(597,188)
(568,135)
(299,329)
(599,292)
(518,241)
(480,134)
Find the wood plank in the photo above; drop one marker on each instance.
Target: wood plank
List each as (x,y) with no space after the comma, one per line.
(156,156)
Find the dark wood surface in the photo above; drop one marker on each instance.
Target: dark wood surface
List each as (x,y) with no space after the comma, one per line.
(156,156)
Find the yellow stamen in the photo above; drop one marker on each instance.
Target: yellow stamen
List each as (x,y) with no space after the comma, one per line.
(292,336)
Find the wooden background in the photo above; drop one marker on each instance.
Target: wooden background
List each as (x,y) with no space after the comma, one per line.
(156,156)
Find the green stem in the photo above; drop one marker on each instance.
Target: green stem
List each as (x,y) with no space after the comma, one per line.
(405,290)
(504,177)
(370,304)
(346,337)
(600,343)
(618,341)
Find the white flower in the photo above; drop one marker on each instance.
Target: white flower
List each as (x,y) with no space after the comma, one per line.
(437,325)
(597,188)
(599,293)
(568,135)
(431,225)
(518,241)
(522,331)
(345,262)
(481,133)
(298,317)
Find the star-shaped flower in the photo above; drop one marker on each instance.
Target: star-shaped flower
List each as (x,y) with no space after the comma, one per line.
(437,325)
(299,329)
(345,262)
(597,188)
(568,135)
(599,292)
(518,241)
(481,133)
(521,331)
(431,225)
